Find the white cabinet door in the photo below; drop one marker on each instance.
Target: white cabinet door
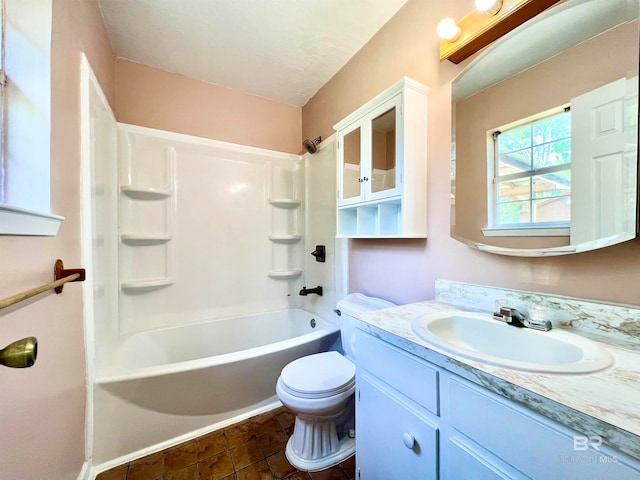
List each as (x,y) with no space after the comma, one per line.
(384,150)
(393,440)
(350,167)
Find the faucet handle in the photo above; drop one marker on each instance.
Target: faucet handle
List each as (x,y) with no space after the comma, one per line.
(504,314)
(544,325)
(538,315)
(502,311)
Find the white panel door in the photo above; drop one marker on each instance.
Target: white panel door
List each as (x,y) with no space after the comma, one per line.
(604,163)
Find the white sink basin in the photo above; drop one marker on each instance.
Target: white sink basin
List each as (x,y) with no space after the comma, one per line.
(478,336)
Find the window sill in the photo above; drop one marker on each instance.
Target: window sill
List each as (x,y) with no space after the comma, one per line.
(22,221)
(527,232)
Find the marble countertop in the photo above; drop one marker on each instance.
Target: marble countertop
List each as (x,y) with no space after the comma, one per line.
(604,403)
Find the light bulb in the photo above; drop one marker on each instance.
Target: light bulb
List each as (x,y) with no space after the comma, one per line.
(448,30)
(491,7)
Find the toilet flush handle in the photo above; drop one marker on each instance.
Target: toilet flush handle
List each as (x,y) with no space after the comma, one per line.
(408,440)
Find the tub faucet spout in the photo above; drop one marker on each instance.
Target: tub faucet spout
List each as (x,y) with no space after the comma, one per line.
(308,291)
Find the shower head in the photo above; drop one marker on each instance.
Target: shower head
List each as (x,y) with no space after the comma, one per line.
(310,145)
(20,354)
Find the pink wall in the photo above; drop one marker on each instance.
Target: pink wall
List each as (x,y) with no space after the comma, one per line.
(405,270)
(43,408)
(154,98)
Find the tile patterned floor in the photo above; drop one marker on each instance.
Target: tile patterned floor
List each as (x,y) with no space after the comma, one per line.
(251,450)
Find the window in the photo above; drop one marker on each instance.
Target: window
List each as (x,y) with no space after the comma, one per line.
(3,83)
(531,173)
(25,203)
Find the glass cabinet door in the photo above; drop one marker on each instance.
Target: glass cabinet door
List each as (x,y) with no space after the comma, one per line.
(383,151)
(369,162)
(351,164)
(384,142)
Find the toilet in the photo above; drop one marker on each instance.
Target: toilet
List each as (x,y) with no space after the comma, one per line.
(319,389)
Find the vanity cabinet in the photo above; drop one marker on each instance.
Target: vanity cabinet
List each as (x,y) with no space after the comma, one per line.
(401,440)
(396,417)
(382,165)
(417,420)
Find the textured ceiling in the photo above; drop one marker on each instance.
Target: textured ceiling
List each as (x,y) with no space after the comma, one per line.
(284,50)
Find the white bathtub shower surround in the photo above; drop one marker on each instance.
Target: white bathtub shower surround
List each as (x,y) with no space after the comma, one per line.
(173,384)
(208,229)
(193,240)
(320,229)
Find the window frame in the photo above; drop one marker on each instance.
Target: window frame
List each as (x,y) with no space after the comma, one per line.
(17,217)
(531,229)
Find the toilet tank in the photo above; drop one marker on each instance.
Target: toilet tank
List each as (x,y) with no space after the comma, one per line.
(350,305)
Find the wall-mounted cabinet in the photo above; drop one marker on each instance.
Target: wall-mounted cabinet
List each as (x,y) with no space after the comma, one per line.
(382,165)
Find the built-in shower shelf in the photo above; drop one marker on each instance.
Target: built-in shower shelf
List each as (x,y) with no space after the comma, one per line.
(284,274)
(285,202)
(147,283)
(145,238)
(285,238)
(140,192)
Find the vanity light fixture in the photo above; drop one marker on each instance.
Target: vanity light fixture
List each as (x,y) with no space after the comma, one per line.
(448,30)
(490,7)
(491,20)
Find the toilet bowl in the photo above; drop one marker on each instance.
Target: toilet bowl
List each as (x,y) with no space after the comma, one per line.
(319,389)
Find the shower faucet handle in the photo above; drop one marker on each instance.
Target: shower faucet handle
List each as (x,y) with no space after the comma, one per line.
(320,253)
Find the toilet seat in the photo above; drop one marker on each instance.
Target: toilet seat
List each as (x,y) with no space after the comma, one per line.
(318,376)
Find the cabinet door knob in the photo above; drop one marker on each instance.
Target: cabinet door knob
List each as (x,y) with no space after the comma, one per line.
(408,440)
(365,179)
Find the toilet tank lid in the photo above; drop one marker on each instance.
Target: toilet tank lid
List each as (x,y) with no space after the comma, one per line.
(358,303)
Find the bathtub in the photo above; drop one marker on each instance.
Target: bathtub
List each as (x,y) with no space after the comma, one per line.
(168,385)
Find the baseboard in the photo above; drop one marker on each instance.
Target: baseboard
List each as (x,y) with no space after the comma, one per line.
(86,472)
(96,469)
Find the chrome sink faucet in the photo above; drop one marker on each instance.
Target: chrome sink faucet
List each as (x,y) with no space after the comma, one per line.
(516,318)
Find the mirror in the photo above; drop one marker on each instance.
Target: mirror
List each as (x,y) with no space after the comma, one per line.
(383,151)
(352,170)
(545,134)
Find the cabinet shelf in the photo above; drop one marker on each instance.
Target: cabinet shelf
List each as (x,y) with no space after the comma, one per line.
(285,238)
(285,202)
(145,238)
(140,192)
(374,220)
(146,284)
(285,274)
